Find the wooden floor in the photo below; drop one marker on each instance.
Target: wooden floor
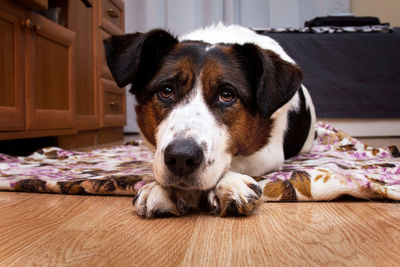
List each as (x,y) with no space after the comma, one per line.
(45,229)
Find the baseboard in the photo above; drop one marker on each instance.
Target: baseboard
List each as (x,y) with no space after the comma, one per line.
(91,138)
(366,127)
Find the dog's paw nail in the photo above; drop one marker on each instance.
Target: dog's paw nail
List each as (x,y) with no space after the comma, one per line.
(213,202)
(135,198)
(256,188)
(180,203)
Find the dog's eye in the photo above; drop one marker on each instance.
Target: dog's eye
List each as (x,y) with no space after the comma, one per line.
(227,96)
(166,92)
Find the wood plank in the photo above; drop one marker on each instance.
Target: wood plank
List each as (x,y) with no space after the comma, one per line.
(34,134)
(54,229)
(92,138)
(82,139)
(51,79)
(12,79)
(111,134)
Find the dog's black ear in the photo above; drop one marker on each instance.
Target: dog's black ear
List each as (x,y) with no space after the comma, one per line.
(274,79)
(133,58)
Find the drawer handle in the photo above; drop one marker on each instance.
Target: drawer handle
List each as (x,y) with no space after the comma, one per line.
(112,13)
(27,24)
(113,104)
(37,28)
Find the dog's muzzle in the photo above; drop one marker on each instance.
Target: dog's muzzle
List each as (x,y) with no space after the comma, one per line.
(183,157)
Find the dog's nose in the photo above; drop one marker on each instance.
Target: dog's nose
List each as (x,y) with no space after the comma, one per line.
(183,156)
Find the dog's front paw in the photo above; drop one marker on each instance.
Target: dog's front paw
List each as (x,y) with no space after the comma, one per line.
(235,194)
(153,200)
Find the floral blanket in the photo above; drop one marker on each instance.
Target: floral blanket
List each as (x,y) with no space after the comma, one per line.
(337,165)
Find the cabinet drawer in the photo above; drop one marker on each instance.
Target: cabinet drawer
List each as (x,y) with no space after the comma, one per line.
(113,104)
(111,15)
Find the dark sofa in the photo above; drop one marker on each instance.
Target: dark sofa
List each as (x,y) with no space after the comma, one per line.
(349,75)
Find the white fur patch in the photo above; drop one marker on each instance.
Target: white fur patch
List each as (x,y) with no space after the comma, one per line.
(235,34)
(307,145)
(208,48)
(192,119)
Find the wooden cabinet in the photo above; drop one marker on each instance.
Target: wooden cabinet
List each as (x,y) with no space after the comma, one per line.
(54,80)
(110,21)
(49,74)
(100,104)
(12,78)
(36,71)
(99,101)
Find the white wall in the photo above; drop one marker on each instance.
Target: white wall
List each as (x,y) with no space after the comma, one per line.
(185,15)
(180,16)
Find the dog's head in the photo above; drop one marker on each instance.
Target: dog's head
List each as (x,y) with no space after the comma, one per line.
(199,104)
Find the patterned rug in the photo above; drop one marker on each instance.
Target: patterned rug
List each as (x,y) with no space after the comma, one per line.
(337,165)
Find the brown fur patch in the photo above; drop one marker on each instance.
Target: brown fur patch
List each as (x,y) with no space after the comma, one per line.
(249,130)
(149,116)
(248,133)
(212,75)
(179,72)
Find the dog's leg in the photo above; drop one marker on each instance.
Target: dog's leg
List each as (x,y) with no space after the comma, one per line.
(235,194)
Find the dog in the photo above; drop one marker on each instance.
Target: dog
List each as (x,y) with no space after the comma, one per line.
(219,106)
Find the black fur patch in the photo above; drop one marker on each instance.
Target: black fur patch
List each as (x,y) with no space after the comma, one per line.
(299,123)
(275,80)
(134,58)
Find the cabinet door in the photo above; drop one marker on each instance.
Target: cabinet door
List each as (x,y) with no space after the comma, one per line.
(50,78)
(81,21)
(12,111)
